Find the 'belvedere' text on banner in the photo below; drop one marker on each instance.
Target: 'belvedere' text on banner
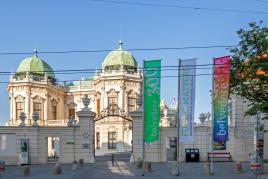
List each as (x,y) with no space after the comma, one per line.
(152,75)
(221,92)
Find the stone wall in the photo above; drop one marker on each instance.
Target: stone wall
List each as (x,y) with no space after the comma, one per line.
(157,151)
(244,129)
(76,142)
(38,152)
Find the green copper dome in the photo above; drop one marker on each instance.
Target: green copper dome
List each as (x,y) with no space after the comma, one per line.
(35,65)
(119,59)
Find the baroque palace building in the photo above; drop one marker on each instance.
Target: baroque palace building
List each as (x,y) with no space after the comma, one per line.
(116,123)
(113,91)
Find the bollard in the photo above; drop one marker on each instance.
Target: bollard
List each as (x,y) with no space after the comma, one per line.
(238,167)
(113,159)
(81,162)
(207,168)
(75,165)
(148,166)
(25,170)
(57,169)
(2,166)
(174,169)
(92,159)
(139,163)
(132,159)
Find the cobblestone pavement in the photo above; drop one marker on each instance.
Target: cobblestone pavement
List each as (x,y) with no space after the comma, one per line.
(122,169)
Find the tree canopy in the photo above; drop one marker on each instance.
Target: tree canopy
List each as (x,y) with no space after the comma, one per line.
(249,69)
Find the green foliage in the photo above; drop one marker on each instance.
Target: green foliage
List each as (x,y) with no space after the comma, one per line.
(249,69)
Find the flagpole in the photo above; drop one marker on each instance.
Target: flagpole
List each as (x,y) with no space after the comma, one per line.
(178,121)
(143,136)
(212,119)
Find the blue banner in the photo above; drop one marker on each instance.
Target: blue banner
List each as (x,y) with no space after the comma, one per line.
(187,75)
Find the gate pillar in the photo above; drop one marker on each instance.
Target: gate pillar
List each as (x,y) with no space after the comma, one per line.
(137,128)
(86,132)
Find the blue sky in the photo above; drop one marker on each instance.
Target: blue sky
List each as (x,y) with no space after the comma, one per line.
(85,25)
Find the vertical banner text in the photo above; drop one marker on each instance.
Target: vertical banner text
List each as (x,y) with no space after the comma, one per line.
(187,75)
(152,76)
(221,93)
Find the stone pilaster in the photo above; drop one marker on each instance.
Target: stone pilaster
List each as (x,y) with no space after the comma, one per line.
(122,97)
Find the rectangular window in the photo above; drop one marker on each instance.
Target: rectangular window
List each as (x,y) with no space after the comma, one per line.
(37,107)
(131,104)
(19,109)
(54,112)
(111,140)
(72,113)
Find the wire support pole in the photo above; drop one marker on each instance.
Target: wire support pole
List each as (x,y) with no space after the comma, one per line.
(212,121)
(178,121)
(143,118)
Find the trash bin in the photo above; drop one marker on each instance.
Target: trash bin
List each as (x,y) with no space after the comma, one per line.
(2,166)
(192,155)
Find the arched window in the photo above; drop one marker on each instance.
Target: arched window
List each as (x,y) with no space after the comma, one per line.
(112,97)
(97,97)
(54,109)
(71,110)
(131,101)
(71,113)
(19,106)
(38,106)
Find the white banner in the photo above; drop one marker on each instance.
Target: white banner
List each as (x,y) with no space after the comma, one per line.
(187,75)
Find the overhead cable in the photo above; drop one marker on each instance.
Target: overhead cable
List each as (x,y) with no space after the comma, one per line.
(180,7)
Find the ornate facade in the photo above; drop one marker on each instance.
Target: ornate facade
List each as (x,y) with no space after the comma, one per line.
(113,91)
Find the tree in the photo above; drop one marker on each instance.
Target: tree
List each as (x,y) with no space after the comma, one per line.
(249,69)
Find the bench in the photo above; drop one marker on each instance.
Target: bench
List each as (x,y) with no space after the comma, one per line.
(220,155)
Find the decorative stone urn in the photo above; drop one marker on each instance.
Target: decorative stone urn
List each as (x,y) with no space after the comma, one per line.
(35,118)
(22,119)
(86,101)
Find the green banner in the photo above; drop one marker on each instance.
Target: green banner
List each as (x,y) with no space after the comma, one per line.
(152,75)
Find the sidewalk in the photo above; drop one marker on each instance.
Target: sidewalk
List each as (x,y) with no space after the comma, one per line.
(222,170)
(121,169)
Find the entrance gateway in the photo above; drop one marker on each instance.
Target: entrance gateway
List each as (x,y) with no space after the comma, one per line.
(113,134)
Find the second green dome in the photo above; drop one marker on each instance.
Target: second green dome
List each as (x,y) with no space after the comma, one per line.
(119,58)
